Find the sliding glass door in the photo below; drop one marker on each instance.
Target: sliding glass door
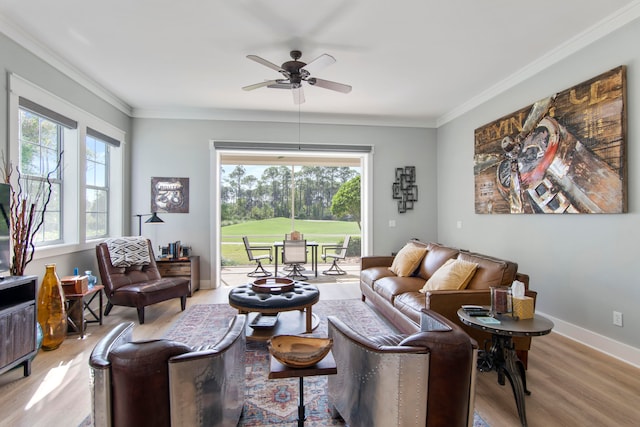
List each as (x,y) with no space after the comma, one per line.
(264,194)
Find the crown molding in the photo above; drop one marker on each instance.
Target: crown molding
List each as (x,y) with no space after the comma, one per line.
(280,116)
(597,31)
(44,53)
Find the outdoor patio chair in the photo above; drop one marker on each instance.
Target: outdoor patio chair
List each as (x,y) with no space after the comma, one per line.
(294,253)
(259,270)
(340,252)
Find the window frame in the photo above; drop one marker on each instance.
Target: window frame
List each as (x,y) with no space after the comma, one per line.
(106,188)
(73,166)
(56,178)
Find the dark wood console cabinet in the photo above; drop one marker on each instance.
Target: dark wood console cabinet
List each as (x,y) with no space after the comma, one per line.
(189,268)
(18,319)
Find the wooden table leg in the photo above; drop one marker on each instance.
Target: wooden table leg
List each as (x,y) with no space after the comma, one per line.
(309,324)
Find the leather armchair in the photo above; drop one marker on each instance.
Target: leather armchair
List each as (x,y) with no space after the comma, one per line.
(139,285)
(426,379)
(166,383)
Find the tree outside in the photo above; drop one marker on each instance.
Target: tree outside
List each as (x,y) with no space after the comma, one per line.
(245,196)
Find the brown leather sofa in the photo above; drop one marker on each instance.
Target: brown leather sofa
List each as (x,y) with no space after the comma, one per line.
(138,285)
(424,379)
(399,299)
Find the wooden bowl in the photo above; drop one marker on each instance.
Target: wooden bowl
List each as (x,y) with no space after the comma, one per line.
(299,352)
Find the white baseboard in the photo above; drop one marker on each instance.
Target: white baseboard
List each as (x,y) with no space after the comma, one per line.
(608,346)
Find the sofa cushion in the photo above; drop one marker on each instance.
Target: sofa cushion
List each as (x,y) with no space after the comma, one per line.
(408,259)
(389,287)
(435,258)
(453,275)
(411,304)
(491,271)
(370,275)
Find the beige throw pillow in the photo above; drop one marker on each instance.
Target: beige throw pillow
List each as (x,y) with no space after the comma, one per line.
(408,259)
(454,274)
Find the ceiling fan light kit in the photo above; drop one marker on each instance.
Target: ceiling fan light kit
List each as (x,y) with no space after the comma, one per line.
(295,72)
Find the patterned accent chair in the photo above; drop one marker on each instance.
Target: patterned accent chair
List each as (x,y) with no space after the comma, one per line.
(138,285)
(166,383)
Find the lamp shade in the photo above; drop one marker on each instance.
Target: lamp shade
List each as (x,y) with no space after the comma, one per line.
(154,218)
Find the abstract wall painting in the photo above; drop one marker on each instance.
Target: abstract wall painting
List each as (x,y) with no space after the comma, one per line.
(563,154)
(404,188)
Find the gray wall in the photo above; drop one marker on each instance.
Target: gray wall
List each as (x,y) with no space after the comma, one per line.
(180,148)
(583,266)
(15,59)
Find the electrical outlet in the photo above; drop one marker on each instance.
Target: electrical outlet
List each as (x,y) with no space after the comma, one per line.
(617,318)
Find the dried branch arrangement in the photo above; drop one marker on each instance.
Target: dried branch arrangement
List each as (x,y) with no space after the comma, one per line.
(26,219)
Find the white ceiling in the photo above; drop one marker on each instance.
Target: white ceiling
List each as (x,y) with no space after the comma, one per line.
(410,62)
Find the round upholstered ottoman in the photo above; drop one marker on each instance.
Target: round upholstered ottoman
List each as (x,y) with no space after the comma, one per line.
(270,308)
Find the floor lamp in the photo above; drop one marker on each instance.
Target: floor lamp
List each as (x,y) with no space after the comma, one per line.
(155,219)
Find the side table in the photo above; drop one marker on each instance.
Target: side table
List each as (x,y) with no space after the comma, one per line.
(76,306)
(326,366)
(182,267)
(502,356)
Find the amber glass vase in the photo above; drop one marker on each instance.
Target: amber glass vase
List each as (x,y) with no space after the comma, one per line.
(52,315)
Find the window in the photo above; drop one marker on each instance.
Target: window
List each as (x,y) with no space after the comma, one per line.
(97,186)
(41,141)
(87,185)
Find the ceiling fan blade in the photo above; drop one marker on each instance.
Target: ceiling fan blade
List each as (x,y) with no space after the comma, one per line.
(266,63)
(319,63)
(327,84)
(298,95)
(280,84)
(259,85)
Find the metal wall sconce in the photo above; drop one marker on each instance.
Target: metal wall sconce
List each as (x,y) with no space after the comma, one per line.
(155,219)
(404,188)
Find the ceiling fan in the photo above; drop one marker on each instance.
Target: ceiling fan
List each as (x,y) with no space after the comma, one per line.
(295,72)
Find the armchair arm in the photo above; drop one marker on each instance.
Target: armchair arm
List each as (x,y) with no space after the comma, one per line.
(262,248)
(372,344)
(447,303)
(100,373)
(376,261)
(207,386)
(330,246)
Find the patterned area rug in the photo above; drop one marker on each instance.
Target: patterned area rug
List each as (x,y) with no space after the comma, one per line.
(274,402)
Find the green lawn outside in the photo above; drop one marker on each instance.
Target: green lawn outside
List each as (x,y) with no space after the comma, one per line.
(270,230)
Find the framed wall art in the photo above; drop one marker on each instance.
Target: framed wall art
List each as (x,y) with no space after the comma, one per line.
(170,195)
(404,188)
(564,154)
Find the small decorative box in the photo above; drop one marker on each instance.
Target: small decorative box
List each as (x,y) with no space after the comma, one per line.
(75,284)
(523,307)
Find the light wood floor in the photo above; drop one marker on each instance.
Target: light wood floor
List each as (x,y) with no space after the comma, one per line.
(571,385)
